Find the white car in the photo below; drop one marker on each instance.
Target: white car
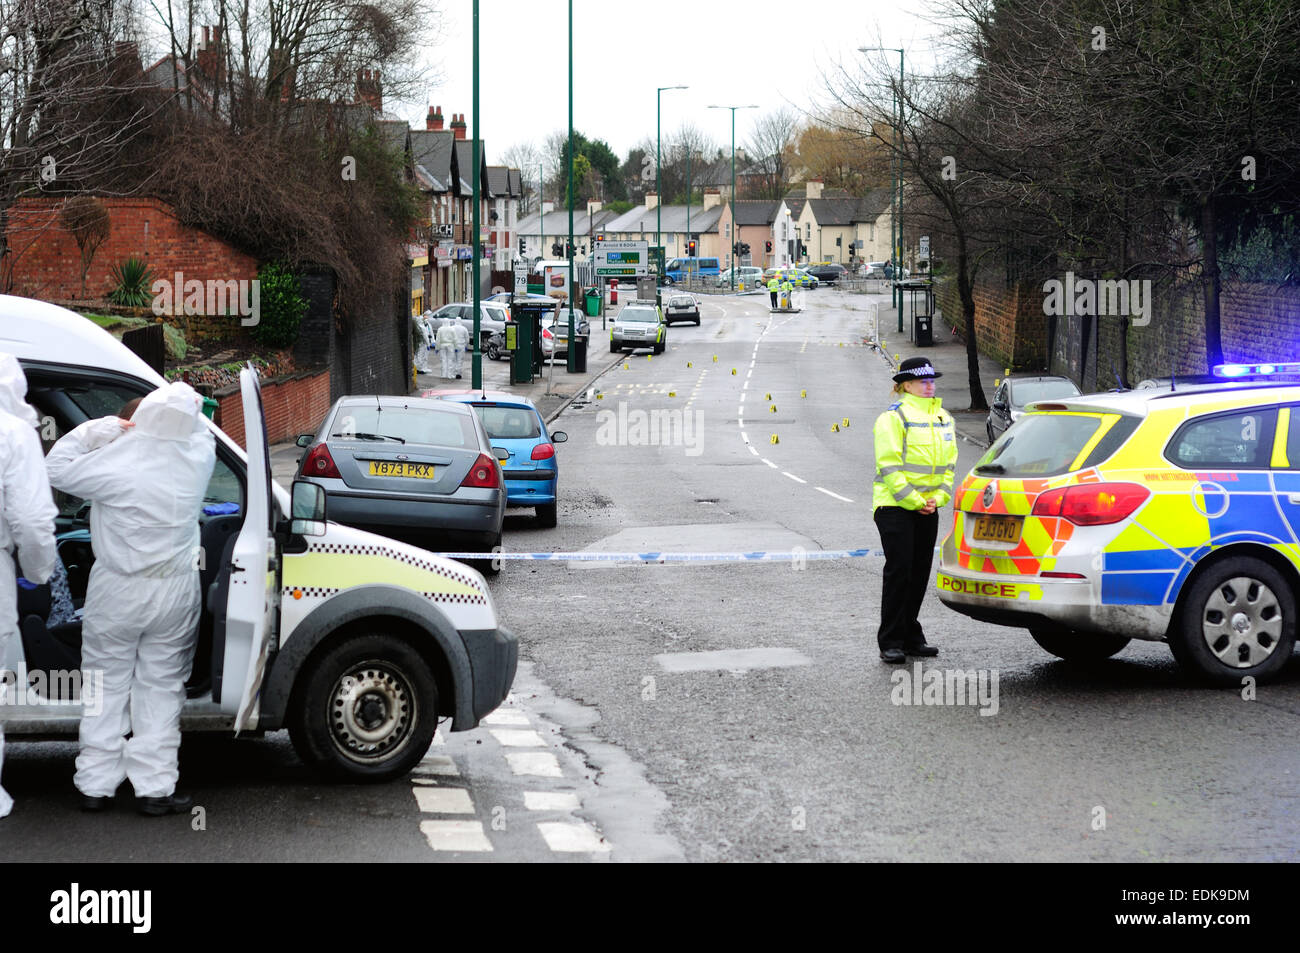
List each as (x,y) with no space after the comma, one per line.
(639,324)
(356,643)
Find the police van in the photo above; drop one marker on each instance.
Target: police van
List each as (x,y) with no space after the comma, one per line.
(355,643)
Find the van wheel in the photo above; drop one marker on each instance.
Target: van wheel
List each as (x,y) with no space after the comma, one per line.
(1077,646)
(1238,620)
(365,710)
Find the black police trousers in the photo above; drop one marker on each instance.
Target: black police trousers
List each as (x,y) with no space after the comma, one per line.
(907,537)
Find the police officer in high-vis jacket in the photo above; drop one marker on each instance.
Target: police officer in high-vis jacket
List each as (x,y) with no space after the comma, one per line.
(916,459)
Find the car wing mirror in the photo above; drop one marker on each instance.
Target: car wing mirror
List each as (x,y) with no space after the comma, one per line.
(304,439)
(501,453)
(307,509)
(559,437)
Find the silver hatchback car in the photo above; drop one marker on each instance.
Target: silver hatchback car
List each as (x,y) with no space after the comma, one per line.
(410,468)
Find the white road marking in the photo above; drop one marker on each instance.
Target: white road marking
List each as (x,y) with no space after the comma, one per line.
(456,835)
(505,717)
(770,464)
(731,660)
(514,738)
(551,801)
(751,449)
(572,838)
(541,764)
(438,764)
(443,800)
(836,495)
(793,477)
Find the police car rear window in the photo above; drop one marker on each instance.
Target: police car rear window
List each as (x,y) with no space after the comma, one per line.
(1041,445)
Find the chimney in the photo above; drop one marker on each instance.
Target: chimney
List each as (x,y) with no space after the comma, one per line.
(434,119)
(369,89)
(651,200)
(813,189)
(210,53)
(458,125)
(712,197)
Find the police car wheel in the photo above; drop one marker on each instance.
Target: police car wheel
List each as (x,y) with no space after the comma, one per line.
(365,710)
(1075,646)
(1238,620)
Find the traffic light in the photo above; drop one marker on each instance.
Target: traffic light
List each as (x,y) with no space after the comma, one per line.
(521,245)
(557,250)
(769,248)
(690,249)
(744,248)
(600,238)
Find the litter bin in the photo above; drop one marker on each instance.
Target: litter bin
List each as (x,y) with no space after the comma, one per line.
(923,330)
(593,302)
(580,353)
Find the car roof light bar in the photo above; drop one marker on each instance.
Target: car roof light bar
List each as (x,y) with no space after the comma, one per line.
(1248,370)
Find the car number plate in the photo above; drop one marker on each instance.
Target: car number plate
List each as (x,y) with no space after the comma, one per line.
(419,471)
(1000,529)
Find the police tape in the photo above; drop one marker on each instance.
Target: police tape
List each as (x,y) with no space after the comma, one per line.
(656,557)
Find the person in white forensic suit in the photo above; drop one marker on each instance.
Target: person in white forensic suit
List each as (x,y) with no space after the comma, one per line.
(146,478)
(446,339)
(462,344)
(27,514)
(420,341)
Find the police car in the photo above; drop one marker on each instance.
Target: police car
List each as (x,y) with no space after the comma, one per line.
(1164,515)
(356,643)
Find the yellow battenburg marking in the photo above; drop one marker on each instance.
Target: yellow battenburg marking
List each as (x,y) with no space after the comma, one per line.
(344,570)
(1279,439)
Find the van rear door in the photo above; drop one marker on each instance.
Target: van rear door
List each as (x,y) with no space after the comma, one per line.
(253,597)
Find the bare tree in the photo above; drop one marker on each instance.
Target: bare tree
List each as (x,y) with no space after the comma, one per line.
(526,157)
(87,219)
(771,145)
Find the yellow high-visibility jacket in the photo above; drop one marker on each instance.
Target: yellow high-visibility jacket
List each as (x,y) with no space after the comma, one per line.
(916,453)
(773,284)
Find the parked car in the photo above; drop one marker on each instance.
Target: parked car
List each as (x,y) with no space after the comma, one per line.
(504,297)
(555,332)
(323,615)
(828,273)
(873,269)
(681,307)
(749,275)
(1167,516)
(418,470)
(640,324)
(493,316)
(1013,393)
(690,269)
(532,469)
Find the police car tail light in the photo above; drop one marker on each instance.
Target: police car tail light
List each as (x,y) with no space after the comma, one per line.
(319,463)
(1092,504)
(482,474)
(543,451)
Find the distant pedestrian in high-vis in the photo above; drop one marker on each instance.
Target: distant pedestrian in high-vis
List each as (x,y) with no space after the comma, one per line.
(916,459)
(773,286)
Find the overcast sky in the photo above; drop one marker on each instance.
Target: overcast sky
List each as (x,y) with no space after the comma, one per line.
(762,52)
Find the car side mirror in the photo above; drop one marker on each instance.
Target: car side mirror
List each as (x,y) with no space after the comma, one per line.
(559,437)
(304,439)
(999,405)
(307,509)
(501,453)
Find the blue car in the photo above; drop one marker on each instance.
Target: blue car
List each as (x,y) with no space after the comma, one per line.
(532,472)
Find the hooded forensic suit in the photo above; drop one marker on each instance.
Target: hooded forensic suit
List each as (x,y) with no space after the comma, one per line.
(141,619)
(446,338)
(462,344)
(27,513)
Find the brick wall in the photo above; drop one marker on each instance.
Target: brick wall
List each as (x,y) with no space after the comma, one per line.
(46,264)
(292,405)
(1258,322)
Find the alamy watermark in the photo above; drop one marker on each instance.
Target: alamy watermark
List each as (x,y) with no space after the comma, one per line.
(653,428)
(1099,298)
(55,687)
(946,687)
(191,296)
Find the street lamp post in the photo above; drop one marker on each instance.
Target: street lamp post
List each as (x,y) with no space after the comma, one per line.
(735,232)
(476,362)
(659,198)
(896,225)
(571,355)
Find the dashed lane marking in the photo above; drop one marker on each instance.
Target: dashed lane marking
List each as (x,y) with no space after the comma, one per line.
(836,495)
(793,477)
(443,801)
(465,836)
(551,801)
(572,838)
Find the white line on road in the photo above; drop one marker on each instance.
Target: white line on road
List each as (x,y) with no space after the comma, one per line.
(793,477)
(504,716)
(456,835)
(770,464)
(572,838)
(540,764)
(443,800)
(438,764)
(836,495)
(751,449)
(551,801)
(732,660)
(513,738)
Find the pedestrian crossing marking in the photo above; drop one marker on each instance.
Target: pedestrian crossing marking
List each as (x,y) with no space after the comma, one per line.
(551,801)
(540,764)
(443,800)
(466,836)
(572,838)
(513,738)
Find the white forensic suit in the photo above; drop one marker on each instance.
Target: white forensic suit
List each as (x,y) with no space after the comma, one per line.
(462,343)
(446,339)
(420,341)
(27,514)
(146,479)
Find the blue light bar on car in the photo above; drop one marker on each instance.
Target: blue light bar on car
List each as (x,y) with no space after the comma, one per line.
(1251,370)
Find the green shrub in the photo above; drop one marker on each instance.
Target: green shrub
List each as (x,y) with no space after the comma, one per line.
(174,342)
(281,306)
(133,280)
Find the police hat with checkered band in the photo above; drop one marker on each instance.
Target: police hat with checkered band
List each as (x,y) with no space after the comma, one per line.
(915,369)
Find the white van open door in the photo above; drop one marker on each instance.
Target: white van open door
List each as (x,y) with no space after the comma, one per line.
(254,589)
